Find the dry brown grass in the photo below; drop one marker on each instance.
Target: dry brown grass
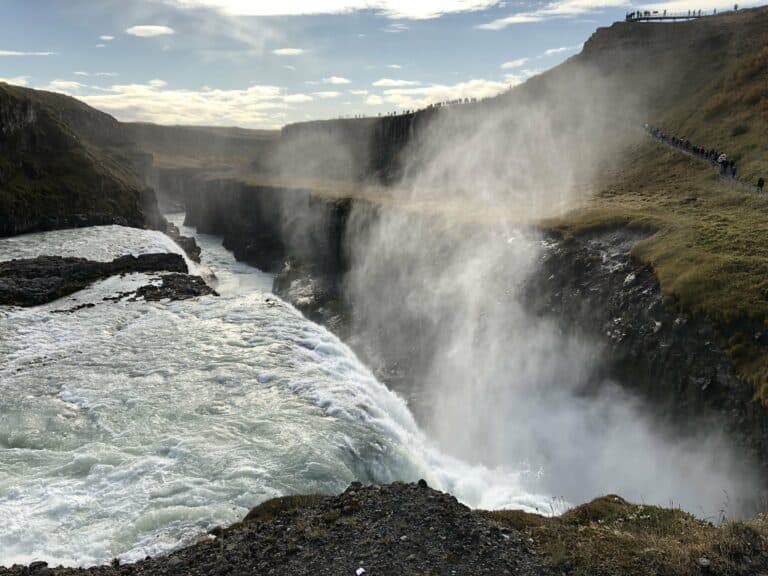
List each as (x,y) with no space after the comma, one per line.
(709,249)
(610,537)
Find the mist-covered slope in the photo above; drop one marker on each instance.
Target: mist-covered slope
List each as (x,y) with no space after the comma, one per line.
(707,81)
(64,164)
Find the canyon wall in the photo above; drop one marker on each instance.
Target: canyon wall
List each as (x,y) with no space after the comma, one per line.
(588,284)
(64,164)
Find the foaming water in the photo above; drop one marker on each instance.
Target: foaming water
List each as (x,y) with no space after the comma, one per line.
(130,428)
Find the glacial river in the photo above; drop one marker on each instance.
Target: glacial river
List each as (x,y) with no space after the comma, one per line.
(131,428)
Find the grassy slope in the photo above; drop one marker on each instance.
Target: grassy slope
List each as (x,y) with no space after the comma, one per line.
(71,159)
(710,249)
(610,536)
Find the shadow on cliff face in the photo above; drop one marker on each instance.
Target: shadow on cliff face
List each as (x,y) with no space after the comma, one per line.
(441,295)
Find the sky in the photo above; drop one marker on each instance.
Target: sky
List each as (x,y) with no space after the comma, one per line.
(264,63)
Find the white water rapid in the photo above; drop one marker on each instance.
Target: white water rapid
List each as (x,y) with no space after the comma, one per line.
(130,428)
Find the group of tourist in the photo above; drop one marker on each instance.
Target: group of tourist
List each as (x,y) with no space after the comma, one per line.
(664,15)
(407,112)
(712,155)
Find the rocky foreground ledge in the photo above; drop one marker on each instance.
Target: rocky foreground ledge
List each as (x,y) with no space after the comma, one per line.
(400,529)
(411,529)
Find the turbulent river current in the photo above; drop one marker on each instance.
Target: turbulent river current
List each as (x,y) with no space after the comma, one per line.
(131,428)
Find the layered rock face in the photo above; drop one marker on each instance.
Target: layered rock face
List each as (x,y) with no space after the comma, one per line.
(593,287)
(264,225)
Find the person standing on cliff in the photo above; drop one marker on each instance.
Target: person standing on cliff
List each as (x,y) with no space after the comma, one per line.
(760,184)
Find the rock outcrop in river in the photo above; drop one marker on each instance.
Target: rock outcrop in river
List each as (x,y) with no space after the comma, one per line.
(35,281)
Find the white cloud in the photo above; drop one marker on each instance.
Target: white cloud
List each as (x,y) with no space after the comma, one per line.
(425,95)
(394,66)
(18,53)
(516,78)
(149,31)
(514,63)
(297,98)
(359,92)
(289,67)
(257,106)
(562,49)
(98,74)
(327,94)
(289,51)
(64,86)
(416,10)
(100,45)
(158,83)
(520,62)
(558,9)
(391,83)
(336,80)
(16,80)
(106,38)
(520,18)
(374,100)
(396,28)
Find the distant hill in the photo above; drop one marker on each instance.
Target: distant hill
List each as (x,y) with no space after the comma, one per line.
(63,164)
(200,146)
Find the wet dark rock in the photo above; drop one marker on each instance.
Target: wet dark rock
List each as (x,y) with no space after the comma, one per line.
(594,288)
(186,243)
(175,287)
(317,295)
(400,529)
(74,308)
(35,281)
